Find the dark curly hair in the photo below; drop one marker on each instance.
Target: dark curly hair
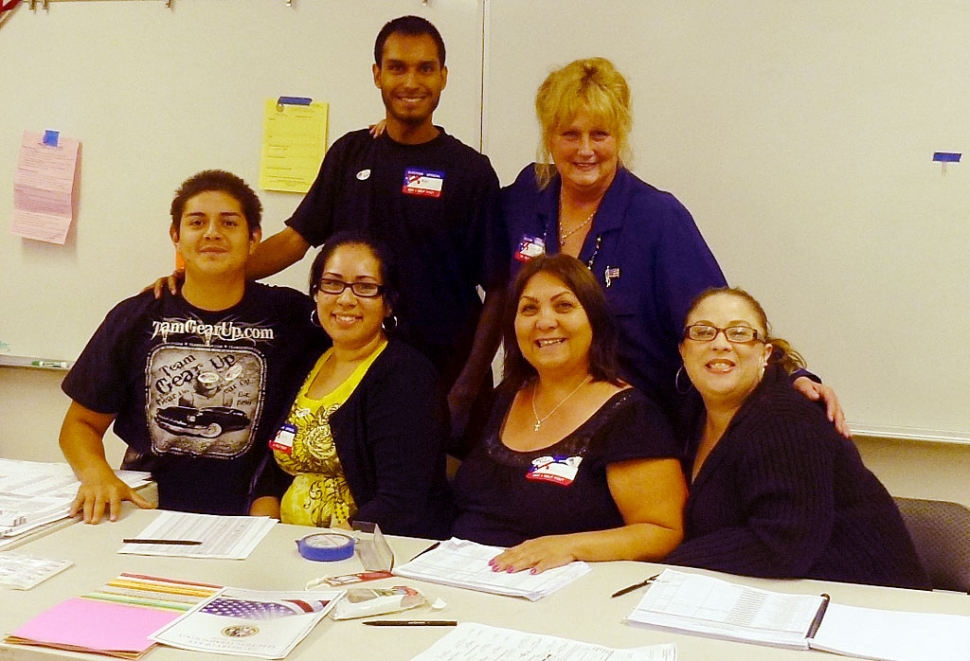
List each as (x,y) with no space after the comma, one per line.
(222,181)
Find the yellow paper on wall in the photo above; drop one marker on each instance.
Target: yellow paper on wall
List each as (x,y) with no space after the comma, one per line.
(294,142)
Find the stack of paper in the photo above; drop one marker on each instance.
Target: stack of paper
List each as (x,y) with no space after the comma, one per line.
(22,572)
(262,624)
(893,635)
(478,642)
(116,620)
(33,494)
(693,603)
(210,536)
(464,564)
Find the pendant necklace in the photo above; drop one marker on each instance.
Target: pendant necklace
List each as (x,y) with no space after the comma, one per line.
(535,413)
(565,235)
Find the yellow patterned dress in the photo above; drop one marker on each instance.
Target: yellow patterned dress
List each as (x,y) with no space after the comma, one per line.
(319,494)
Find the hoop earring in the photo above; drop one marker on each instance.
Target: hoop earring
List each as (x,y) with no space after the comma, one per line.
(314,319)
(387,325)
(677,387)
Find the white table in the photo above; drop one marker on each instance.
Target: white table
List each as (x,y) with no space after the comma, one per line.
(581,611)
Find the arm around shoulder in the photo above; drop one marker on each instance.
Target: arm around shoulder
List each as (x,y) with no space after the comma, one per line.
(276,253)
(82,442)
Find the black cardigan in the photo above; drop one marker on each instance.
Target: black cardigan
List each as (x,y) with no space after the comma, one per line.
(782,494)
(390,437)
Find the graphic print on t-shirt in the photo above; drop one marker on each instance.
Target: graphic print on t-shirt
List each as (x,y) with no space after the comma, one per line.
(203,400)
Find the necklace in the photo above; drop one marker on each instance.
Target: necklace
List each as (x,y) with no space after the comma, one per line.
(565,235)
(539,420)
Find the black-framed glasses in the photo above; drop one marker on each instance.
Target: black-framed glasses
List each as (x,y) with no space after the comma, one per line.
(362,289)
(734,334)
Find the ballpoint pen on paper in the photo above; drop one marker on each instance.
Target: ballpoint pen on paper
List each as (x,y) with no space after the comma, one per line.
(411,623)
(430,548)
(630,588)
(177,542)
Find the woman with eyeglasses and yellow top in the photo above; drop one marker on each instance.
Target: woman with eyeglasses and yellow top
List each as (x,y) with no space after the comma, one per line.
(775,491)
(364,438)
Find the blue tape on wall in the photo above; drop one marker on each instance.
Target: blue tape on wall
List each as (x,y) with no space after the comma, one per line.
(50,138)
(946,157)
(294,101)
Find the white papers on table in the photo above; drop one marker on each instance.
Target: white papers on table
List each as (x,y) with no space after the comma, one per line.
(893,635)
(224,537)
(471,641)
(249,622)
(703,605)
(34,493)
(43,186)
(22,572)
(693,603)
(464,564)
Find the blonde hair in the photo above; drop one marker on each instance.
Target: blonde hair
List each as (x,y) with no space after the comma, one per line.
(782,352)
(592,85)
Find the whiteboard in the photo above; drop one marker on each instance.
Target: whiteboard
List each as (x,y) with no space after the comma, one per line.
(801,136)
(155,95)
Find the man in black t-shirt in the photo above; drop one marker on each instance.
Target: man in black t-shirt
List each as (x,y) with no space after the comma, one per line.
(429,198)
(192,383)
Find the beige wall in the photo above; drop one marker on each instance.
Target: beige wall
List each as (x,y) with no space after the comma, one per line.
(32,407)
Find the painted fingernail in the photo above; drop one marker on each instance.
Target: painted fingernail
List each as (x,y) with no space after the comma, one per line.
(533,571)
(509,570)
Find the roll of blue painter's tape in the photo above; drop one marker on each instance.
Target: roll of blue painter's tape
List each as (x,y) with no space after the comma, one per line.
(326,546)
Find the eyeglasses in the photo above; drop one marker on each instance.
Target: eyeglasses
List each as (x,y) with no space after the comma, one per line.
(362,289)
(734,334)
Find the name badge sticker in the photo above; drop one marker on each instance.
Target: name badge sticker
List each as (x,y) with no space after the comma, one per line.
(283,441)
(424,183)
(530,247)
(558,470)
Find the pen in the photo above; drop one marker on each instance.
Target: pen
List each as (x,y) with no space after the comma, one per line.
(819,614)
(630,588)
(412,623)
(177,542)
(430,548)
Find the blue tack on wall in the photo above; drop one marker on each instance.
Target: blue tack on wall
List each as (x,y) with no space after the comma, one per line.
(946,157)
(50,138)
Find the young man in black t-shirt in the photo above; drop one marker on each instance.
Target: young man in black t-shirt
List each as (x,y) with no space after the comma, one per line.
(192,383)
(426,195)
